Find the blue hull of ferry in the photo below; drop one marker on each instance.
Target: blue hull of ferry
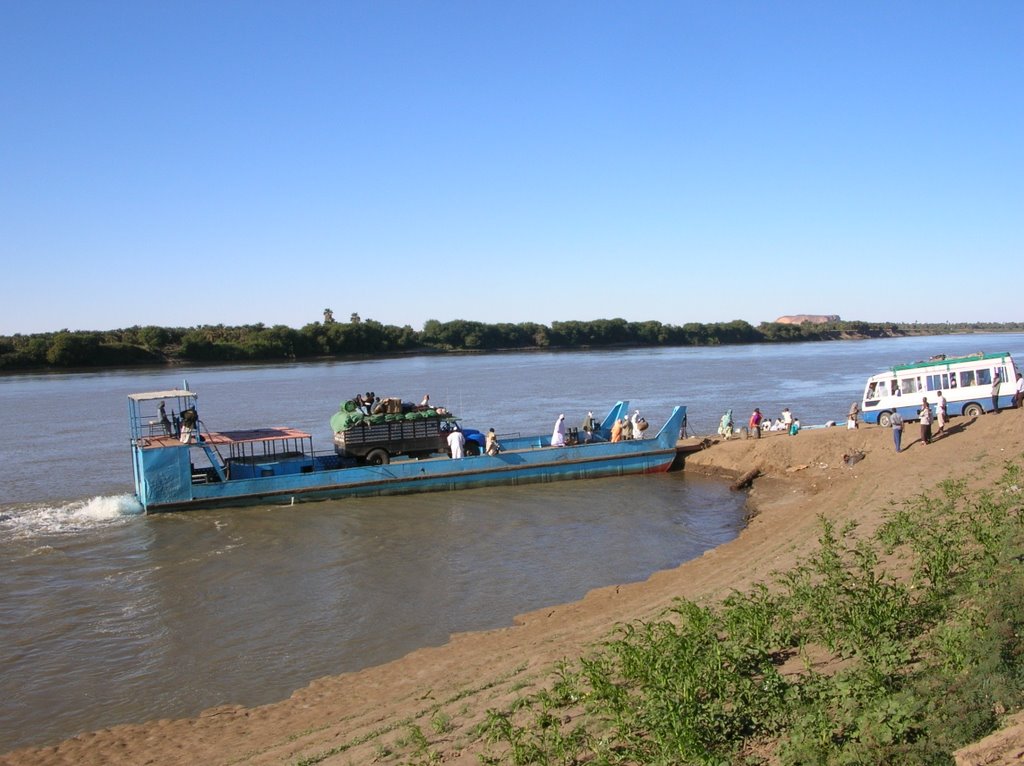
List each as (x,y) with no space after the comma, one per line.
(165,475)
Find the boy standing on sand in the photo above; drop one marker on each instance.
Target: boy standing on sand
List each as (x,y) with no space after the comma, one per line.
(897,429)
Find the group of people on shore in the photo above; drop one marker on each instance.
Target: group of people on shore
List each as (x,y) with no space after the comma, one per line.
(634,426)
(758,422)
(930,415)
(937,413)
(925,418)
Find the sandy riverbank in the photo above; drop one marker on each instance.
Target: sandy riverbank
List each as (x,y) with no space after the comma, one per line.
(801,478)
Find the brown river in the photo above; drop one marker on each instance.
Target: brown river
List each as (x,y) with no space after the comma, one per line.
(110,616)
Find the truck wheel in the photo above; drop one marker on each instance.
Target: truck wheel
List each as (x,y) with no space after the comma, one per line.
(472,448)
(973,410)
(378,457)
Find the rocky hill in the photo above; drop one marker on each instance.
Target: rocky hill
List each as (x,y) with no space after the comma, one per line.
(811,318)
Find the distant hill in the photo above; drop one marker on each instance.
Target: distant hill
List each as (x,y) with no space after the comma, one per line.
(810,318)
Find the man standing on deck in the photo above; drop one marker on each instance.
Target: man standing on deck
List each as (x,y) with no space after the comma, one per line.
(457,444)
(589,427)
(164,422)
(492,448)
(558,434)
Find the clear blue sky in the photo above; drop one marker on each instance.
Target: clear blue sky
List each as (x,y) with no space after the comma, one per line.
(187,163)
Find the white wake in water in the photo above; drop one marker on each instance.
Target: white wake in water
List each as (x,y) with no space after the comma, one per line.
(27,520)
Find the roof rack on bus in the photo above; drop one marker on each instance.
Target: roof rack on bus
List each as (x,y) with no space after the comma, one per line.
(948,360)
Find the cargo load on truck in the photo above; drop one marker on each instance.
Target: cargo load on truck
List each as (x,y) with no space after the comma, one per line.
(390,427)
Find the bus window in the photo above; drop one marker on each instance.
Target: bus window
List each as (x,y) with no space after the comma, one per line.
(984,377)
(966,378)
(909,385)
(937,382)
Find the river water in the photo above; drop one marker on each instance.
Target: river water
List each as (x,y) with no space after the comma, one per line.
(110,616)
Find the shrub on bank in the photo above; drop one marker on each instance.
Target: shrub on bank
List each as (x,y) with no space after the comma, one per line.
(897,648)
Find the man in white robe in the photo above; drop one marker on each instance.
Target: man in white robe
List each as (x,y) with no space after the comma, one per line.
(558,435)
(457,444)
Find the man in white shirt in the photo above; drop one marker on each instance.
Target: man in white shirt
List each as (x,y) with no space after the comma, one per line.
(457,444)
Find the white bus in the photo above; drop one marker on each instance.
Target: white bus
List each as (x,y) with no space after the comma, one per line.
(965,382)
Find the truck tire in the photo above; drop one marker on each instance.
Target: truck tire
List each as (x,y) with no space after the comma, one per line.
(378,457)
(472,449)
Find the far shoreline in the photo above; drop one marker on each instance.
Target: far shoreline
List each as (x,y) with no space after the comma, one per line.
(171,364)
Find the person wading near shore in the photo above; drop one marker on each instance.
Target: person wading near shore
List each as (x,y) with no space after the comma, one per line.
(896,421)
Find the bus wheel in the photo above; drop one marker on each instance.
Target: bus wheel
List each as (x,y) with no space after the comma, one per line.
(973,410)
(885,419)
(378,457)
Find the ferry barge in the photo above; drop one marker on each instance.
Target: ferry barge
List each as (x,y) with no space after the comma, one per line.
(179,465)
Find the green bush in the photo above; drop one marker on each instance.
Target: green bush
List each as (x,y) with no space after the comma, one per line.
(922,657)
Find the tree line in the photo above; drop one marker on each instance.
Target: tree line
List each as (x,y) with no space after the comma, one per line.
(150,345)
